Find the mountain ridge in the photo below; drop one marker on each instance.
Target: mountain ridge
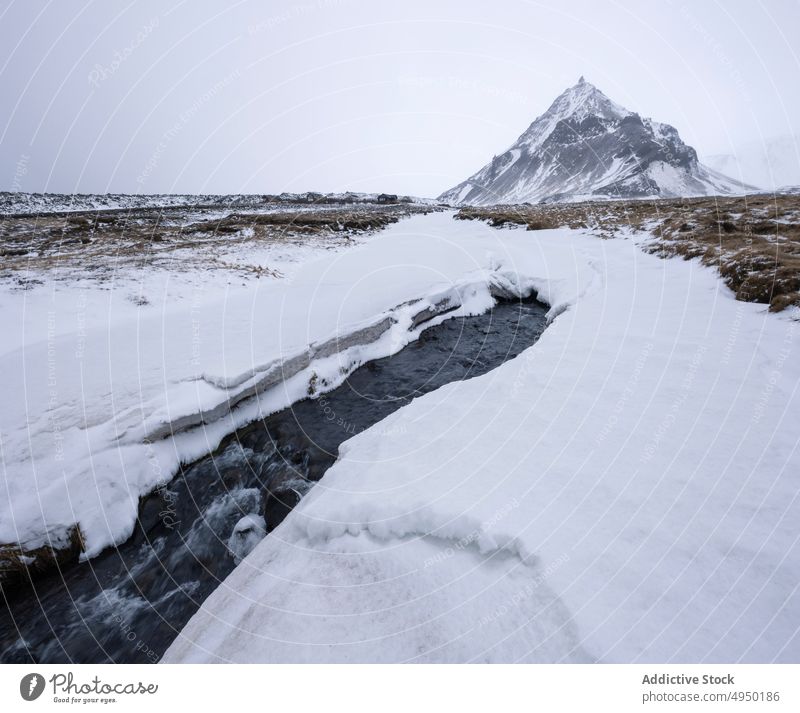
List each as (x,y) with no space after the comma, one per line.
(586,146)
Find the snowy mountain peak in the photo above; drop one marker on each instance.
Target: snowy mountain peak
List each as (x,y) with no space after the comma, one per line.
(576,104)
(587,146)
(584,99)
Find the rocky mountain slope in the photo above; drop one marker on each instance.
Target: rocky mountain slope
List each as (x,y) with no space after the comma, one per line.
(587,146)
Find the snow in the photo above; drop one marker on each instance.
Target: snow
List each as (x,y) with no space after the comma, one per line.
(25,203)
(626,490)
(770,163)
(597,170)
(21,203)
(110,401)
(462,194)
(672,181)
(577,102)
(247,533)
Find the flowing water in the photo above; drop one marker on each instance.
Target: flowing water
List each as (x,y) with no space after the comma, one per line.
(129,603)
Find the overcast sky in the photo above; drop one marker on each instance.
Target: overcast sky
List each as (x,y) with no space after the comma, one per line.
(409,97)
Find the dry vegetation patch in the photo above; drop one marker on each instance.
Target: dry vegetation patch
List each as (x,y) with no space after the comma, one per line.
(754,241)
(95,244)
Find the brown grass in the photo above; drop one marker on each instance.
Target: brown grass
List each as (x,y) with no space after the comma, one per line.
(754,241)
(95,244)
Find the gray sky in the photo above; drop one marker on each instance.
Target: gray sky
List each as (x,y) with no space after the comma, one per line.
(408,97)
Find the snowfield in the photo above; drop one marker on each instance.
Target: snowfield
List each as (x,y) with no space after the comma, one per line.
(112,397)
(626,490)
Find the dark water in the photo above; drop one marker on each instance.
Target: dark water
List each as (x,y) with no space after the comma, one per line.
(128,604)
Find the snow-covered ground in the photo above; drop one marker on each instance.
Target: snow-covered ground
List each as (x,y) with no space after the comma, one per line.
(25,203)
(90,351)
(99,376)
(625,490)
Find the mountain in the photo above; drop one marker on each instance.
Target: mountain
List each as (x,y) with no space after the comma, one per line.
(586,146)
(772,163)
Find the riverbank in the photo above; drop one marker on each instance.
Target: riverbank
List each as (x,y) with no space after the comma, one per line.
(624,490)
(120,402)
(128,604)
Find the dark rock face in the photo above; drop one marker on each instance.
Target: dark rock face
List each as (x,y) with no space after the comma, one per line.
(586,146)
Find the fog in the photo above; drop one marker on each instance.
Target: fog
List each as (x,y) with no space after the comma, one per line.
(336,95)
